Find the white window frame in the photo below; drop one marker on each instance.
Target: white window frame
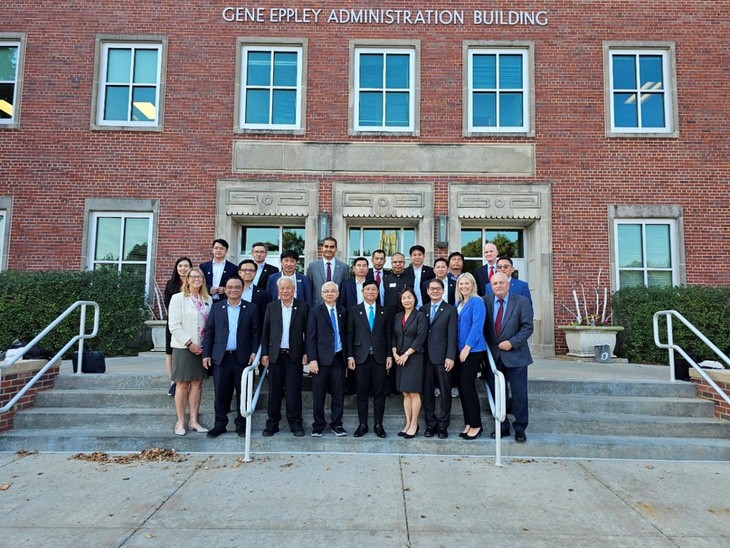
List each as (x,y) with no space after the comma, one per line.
(412,52)
(673,249)
(384,225)
(104,44)
(274,260)
(526,89)
(18,41)
(272,49)
(671,113)
(520,263)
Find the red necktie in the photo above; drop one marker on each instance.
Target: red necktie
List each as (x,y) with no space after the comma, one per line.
(498,321)
(329,272)
(491,272)
(377,276)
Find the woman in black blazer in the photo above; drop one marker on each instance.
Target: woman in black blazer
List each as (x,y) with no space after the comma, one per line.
(409,336)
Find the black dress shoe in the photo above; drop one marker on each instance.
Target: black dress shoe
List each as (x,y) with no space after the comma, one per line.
(505,434)
(402,433)
(430,431)
(267,433)
(298,432)
(361,430)
(475,436)
(380,431)
(216,431)
(410,436)
(443,433)
(520,437)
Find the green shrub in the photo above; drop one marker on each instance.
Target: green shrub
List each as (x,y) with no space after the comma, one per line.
(707,308)
(29,301)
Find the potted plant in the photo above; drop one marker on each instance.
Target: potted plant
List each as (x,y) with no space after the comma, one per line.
(591,325)
(158,320)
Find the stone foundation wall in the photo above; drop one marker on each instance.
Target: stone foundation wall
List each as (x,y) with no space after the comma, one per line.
(14,379)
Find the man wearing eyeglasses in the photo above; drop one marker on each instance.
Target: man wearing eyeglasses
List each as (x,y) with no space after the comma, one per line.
(505,265)
(259,252)
(251,292)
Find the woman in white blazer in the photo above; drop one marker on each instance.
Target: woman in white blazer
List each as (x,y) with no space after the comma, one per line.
(188,313)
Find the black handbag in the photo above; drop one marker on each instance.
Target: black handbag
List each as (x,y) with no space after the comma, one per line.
(93,362)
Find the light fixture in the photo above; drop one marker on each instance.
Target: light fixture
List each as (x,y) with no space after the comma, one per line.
(442,231)
(323,227)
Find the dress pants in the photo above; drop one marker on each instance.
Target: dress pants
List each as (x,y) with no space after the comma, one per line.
(226,379)
(468,389)
(331,378)
(285,377)
(434,375)
(516,378)
(370,376)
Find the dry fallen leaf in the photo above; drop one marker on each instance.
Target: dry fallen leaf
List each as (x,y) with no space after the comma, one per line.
(5,486)
(149,455)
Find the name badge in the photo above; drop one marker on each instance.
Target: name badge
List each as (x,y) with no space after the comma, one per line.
(393,284)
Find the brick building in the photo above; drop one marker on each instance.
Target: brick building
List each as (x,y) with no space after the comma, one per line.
(582,135)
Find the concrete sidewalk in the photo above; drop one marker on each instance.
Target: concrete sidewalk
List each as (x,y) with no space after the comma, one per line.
(364,500)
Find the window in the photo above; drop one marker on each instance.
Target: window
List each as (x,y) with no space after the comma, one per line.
(640,86)
(11,52)
(271,83)
(362,241)
(130,85)
(509,242)
(277,239)
(498,90)
(384,84)
(646,252)
(121,241)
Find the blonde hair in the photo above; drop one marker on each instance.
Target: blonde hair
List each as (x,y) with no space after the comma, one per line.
(472,281)
(186,284)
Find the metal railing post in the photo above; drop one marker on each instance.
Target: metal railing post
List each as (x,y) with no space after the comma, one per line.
(249,401)
(82,327)
(670,341)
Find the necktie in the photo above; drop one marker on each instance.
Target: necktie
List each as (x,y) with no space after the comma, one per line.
(329,272)
(333,320)
(498,321)
(491,272)
(371,316)
(434,308)
(377,276)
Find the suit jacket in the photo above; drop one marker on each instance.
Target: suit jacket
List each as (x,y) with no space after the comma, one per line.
(321,336)
(318,276)
(426,274)
(360,340)
(183,320)
(304,288)
(260,298)
(441,342)
(394,284)
(371,276)
(412,335)
(516,328)
(471,325)
(217,329)
(229,269)
(517,287)
(264,278)
(273,329)
(481,275)
(349,293)
(449,291)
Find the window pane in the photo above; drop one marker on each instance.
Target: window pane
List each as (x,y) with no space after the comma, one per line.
(259,68)
(624,110)
(508,242)
(510,71)
(118,64)
(371,70)
(145,66)
(658,250)
(285,69)
(353,242)
(485,110)
(631,278)
(136,232)
(470,265)
(370,241)
(397,72)
(7,94)
(650,69)
(285,107)
(652,110)
(471,243)
(257,107)
(108,236)
(396,109)
(624,72)
(510,109)
(8,63)
(138,269)
(485,71)
(655,278)
(143,104)
(116,103)
(409,239)
(629,246)
(371,109)
(293,239)
(267,234)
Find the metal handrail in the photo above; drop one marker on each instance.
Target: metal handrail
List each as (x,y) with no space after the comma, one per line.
(80,338)
(497,405)
(249,399)
(671,347)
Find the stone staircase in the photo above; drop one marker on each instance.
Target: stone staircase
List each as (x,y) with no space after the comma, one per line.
(568,418)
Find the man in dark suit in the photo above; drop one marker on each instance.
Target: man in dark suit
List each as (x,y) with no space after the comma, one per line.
(504,264)
(441,349)
(328,269)
(325,350)
(419,272)
(378,271)
(351,288)
(231,340)
(303,288)
(259,252)
(441,272)
(368,340)
(283,352)
(251,292)
(506,329)
(483,274)
(218,270)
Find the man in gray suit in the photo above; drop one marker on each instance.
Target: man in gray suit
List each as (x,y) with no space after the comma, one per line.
(328,269)
(507,327)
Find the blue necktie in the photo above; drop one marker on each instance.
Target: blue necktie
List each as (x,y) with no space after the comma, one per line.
(371,317)
(434,309)
(334,328)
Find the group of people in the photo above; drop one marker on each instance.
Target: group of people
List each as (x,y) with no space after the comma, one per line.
(417,330)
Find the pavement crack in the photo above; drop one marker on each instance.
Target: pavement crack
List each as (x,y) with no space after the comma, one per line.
(405,503)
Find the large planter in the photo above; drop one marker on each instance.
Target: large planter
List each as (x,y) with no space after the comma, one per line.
(583,339)
(157,330)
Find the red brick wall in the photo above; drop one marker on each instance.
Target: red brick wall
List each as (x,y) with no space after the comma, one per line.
(12,383)
(704,390)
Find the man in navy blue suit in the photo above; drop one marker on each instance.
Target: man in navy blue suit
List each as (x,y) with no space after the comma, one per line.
(507,327)
(505,265)
(302,285)
(218,270)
